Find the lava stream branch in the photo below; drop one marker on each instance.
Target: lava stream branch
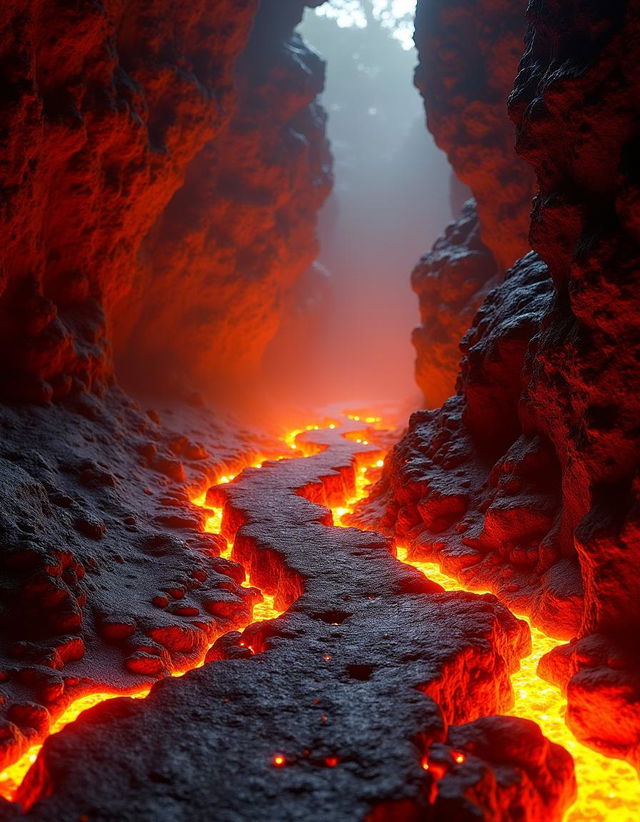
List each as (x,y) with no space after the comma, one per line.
(338,716)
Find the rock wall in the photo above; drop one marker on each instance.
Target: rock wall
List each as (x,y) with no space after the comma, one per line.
(575,106)
(450,281)
(468,57)
(146,191)
(104,106)
(237,237)
(526,479)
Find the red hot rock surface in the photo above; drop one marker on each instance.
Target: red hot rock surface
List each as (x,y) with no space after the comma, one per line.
(147,193)
(468,58)
(350,689)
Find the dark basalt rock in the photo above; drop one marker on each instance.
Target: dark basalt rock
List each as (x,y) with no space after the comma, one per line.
(526,479)
(352,687)
(468,58)
(451,281)
(575,106)
(474,483)
(99,591)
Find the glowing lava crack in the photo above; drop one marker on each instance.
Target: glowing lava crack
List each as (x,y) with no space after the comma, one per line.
(371,697)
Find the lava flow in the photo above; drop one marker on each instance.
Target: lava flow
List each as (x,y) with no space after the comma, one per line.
(608,789)
(13,775)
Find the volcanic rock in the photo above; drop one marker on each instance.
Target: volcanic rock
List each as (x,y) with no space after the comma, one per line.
(575,109)
(86,593)
(337,702)
(468,58)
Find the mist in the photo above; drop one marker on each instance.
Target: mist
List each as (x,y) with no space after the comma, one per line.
(347,336)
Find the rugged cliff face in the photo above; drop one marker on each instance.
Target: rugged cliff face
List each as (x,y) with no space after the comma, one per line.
(238,235)
(575,106)
(526,479)
(104,108)
(193,200)
(468,56)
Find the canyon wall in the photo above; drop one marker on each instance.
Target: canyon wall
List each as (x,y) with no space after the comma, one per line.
(468,56)
(237,237)
(575,106)
(525,481)
(123,135)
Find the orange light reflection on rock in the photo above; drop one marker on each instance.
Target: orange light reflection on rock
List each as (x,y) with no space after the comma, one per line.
(608,789)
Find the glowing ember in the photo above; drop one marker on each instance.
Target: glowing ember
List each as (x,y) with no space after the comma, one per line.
(608,789)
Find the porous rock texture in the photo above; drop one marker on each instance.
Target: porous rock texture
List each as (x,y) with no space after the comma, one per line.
(526,480)
(451,282)
(575,106)
(108,582)
(468,57)
(104,106)
(147,194)
(475,484)
(355,686)
(234,242)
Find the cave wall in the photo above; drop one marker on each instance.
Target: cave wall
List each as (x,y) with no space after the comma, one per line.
(526,480)
(575,107)
(239,234)
(468,56)
(124,134)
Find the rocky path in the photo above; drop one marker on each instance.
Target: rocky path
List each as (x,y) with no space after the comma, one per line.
(371,697)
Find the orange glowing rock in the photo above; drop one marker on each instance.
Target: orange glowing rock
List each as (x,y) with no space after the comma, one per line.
(278,761)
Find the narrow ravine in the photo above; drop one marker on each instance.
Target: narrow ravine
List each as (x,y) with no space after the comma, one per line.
(608,790)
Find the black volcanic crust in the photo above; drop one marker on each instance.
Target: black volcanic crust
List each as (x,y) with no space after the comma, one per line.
(108,582)
(370,665)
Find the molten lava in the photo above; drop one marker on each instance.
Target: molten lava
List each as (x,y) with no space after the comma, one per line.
(608,789)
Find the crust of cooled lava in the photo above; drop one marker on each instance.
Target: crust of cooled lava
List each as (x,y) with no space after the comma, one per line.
(108,582)
(355,686)
(468,58)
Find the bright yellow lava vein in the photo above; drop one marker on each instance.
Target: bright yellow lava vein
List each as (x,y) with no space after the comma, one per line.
(608,789)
